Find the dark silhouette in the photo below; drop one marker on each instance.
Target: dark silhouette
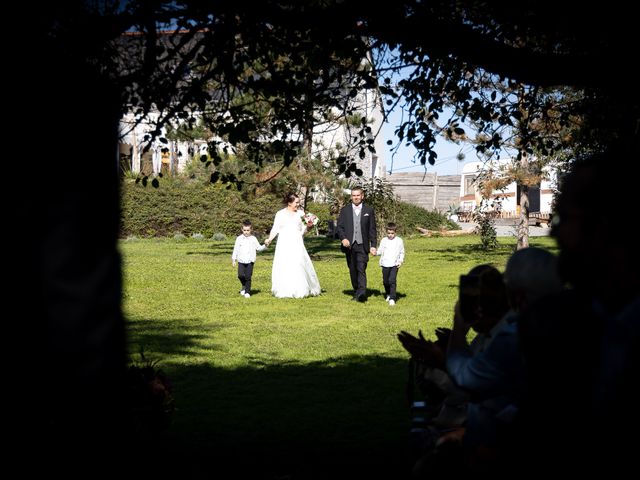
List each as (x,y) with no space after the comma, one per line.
(582,348)
(68,282)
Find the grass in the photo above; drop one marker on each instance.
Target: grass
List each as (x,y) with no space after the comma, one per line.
(304,388)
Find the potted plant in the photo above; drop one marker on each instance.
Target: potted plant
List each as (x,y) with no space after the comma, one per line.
(150,396)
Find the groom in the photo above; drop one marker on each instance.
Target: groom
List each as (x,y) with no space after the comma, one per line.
(357,232)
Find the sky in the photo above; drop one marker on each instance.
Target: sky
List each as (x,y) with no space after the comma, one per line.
(403,161)
(447,162)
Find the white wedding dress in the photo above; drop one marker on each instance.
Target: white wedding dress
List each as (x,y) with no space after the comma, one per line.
(293,275)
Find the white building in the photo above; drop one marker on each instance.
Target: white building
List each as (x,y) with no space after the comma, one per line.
(342,138)
(540,196)
(139,153)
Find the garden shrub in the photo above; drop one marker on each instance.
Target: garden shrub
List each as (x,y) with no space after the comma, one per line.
(193,206)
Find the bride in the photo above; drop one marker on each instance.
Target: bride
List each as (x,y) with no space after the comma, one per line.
(293,275)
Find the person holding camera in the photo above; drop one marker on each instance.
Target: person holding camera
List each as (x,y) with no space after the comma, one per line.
(493,377)
(484,302)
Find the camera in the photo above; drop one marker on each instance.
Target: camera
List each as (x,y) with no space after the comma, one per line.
(421,436)
(418,414)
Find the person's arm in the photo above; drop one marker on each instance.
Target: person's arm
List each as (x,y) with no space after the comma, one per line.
(340,225)
(400,259)
(422,350)
(459,354)
(382,247)
(302,226)
(257,245)
(458,338)
(458,351)
(234,255)
(274,230)
(490,372)
(341,229)
(373,233)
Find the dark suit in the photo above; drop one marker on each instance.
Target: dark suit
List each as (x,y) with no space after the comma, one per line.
(358,254)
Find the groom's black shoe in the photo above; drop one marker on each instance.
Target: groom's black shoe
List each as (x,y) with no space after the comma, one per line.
(361,298)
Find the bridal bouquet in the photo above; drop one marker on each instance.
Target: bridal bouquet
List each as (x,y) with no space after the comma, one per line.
(310,219)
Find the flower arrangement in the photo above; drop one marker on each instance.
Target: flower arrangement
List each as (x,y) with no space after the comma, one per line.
(310,219)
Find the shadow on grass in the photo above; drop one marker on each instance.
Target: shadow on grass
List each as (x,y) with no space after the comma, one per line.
(341,417)
(501,252)
(373,294)
(320,248)
(337,418)
(214,249)
(164,338)
(323,248)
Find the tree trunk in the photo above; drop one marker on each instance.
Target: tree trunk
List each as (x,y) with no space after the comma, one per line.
(70,278)
(307,139)
(523,128)
(523,221)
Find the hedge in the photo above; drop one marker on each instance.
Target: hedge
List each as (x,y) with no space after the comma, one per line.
(186,206)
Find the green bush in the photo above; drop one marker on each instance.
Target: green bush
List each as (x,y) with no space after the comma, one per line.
(194,206)
(409,217)
(486,227)
(381,196)
(321,210)
(191,207)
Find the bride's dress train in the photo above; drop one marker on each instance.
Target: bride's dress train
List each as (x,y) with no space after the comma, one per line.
(293,275)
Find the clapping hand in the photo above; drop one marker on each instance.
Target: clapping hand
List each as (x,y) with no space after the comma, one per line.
(422,349)
(443,335)
(413,345)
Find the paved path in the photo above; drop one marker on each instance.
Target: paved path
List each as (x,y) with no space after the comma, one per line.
(509,230)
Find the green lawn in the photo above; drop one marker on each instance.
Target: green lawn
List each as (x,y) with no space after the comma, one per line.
(304,388)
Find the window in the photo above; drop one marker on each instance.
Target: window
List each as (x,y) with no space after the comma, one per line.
(469,184)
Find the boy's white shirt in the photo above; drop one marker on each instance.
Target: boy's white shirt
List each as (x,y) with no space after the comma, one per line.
(245,248)
(391,252)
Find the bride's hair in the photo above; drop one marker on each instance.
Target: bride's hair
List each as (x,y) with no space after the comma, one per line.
(289,197)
